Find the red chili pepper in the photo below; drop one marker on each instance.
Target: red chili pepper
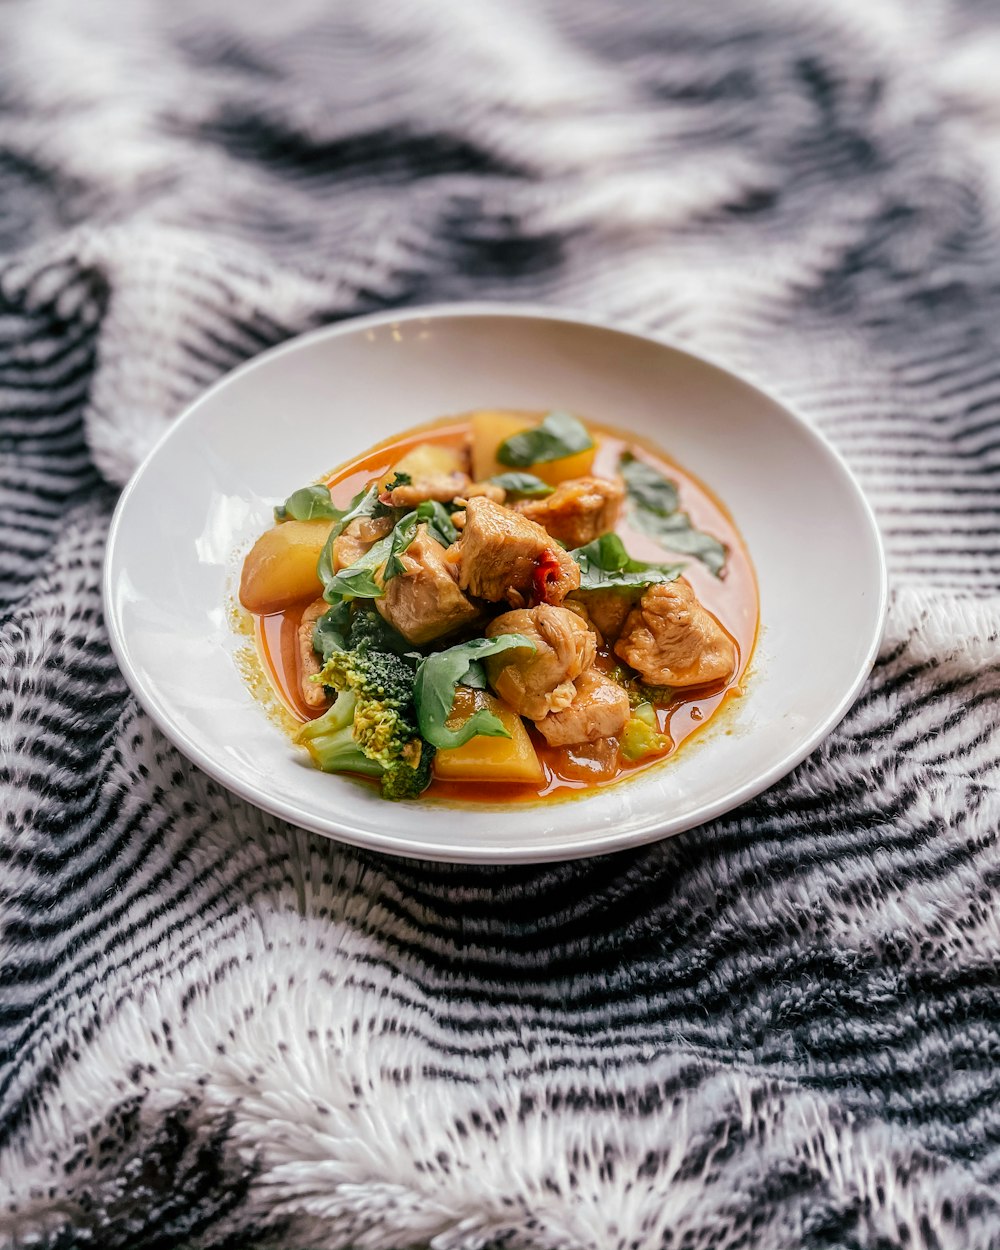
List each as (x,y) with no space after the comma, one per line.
(547,571)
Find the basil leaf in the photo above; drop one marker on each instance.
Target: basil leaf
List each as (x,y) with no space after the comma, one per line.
(309,503)
(434,690)
(654,510)
(439,522)
(357,581)
(647,487)
(676,533)
(475,676)
(605,564)
(524,484)
(364,503)
(439,525)
(330,631)
(402,536)
(558,436)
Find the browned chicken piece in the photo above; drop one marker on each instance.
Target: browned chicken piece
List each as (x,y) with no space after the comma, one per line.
(578,511)
(673,641)
(599,711)
(313,694)
(489,490)
(607,610)
(424,601)
(501,555)
(443,487)
(356,539)
(579,608)
(537,682)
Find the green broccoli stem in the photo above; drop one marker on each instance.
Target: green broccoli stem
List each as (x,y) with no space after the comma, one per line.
(330,741)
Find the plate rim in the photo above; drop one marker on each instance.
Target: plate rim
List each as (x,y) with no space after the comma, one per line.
(558,849)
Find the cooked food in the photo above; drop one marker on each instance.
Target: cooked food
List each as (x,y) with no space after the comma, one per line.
(313,694)
(578,511)
(537,682)
(423,600)
(502,557)
(670,640)
(599,709)
(512,604)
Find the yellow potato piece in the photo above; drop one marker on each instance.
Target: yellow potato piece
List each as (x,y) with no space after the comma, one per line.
(488,759)
(281,567)
(427,460)
(490,428)
(556,471)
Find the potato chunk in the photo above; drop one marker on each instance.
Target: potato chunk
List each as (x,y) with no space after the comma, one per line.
(281,567)
(427,460)
(488,759)
(490,428)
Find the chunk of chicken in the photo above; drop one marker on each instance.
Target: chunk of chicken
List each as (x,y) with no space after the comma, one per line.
(504,556)
(537,682)
(424,601)
(599,710)
(442,487)
(313,694)
(356,539)
(607,610)
(489,490)
(578,511)
(673,641)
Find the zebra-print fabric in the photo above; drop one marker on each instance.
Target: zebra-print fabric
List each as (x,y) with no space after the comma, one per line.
(781,1030)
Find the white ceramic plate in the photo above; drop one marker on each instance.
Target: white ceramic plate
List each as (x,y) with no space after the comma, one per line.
(206,492)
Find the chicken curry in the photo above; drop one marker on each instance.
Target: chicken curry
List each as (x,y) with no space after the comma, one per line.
(501,606)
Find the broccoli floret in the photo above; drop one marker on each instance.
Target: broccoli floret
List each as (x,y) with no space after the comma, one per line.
(640,692)
(373,718)
(641,735)
(329,739)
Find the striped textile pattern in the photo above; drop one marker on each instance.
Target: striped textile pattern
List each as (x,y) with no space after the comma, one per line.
(780,1030)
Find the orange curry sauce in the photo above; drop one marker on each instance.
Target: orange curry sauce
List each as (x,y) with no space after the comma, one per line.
(732,598)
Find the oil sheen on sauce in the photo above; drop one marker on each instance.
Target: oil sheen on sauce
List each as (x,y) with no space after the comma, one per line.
(732,598)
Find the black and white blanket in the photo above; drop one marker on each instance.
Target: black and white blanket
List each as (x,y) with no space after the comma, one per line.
(779,1031)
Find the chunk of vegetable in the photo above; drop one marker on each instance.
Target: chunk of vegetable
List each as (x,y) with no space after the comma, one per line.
(427,460)
(488,759)
(490,428)
(641,737)
(281,567)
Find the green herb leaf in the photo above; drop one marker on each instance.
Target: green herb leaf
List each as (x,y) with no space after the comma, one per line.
(310,503)
(434,689)
(558,436)
(357,581)
(524,484)
(402,536)
(401,479)
(439,522)
(330,631)
(605,564)
(654,510)
(364,503)
(647,487)
(439,525)
(676,533)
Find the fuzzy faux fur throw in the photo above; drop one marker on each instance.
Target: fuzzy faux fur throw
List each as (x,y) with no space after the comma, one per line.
(778,1031)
